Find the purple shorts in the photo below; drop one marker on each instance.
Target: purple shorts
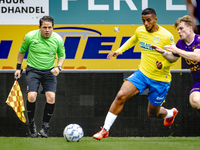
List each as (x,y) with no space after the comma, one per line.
(196,87)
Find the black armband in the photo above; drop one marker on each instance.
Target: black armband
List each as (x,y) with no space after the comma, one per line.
(18,66)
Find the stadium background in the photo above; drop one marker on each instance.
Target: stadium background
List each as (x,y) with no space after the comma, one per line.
(89,83)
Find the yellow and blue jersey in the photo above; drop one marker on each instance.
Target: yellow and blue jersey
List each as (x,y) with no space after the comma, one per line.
(149,56)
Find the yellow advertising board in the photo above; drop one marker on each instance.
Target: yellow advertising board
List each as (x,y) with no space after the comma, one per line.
(86,45)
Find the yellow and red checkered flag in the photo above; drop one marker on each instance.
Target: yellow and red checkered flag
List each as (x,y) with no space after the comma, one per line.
(15,100)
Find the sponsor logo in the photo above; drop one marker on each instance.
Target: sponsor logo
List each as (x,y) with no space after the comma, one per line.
(159,98)
(145,46)
(93,44)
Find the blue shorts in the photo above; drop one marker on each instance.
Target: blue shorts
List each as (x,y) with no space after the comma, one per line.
(157,90)
(34,77)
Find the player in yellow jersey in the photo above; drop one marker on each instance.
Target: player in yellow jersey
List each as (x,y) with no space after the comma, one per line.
(153,73)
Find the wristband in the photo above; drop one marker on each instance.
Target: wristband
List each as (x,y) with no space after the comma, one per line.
(165,53)
(60,68)
(18,66)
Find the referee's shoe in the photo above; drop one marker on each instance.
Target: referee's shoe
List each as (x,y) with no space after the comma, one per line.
(32,128)
(43,132)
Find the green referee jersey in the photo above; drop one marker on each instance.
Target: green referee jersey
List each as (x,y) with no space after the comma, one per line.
(42,51)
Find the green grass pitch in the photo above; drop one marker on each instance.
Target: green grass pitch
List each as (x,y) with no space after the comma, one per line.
(110,143)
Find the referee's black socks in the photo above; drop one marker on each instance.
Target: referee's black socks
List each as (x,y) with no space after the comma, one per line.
(48,112)
(30,111)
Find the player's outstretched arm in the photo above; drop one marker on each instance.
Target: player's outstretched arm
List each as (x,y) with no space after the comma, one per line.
(168,55)
(112,54)
(158,49)
(172,48)
(194,56)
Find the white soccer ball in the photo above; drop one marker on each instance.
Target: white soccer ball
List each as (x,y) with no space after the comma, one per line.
(73,133)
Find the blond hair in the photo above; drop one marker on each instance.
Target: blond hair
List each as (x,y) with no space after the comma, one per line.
(187,19)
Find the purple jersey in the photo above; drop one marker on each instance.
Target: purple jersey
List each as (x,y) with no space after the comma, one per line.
(193,65)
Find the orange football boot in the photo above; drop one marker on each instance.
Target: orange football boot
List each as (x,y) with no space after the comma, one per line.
(101,134)
(169,121)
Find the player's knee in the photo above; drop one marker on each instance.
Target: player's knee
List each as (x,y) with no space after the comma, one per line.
(121,97)
(195,103)
(50,97)
(51,101)
(32,96)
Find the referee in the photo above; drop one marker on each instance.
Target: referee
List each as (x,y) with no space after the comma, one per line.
(42,45)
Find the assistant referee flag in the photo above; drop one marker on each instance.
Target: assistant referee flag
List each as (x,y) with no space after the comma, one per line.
(15,100)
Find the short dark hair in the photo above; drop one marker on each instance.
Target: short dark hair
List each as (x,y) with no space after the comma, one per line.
(48,19)
(149,11)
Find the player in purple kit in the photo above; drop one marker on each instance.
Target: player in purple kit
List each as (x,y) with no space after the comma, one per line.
(188,47)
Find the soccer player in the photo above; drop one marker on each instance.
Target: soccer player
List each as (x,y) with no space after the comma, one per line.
(42,45)
(149,75)
(188,47)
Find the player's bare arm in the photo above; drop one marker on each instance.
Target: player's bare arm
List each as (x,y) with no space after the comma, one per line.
(112,54)
(55,71)
(158,49)
(194,56)
(172,48)
(61,61)
(20,58)
(168,55)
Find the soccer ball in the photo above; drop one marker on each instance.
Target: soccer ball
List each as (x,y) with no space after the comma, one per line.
(73,133)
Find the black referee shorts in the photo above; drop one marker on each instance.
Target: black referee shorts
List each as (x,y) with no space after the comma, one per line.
(34,77)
